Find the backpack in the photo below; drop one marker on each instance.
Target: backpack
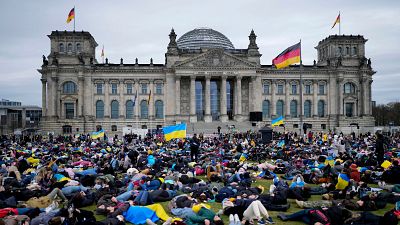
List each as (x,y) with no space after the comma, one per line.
(316,215)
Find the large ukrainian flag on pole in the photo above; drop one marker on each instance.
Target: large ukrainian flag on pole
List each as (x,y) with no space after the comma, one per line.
(177,131)
(278,121)
(98,134)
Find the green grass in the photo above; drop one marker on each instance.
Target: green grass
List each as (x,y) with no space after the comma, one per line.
(265,183)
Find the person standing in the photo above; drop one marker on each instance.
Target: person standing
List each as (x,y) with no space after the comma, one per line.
(379,150)
(194,148)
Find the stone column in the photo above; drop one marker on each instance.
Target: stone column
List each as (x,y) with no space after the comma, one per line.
(257,93)
(207,102)
(224,116)
(340,101)
(88,105)
(107,103)
(332,97)
(178,95)
(151,103)
(193,117)
(121,99)
(44,97)
(287,102)
(23,122)
(238,94)
(56,103)
(80,95)
(272,104)
(315,98)
(137,102)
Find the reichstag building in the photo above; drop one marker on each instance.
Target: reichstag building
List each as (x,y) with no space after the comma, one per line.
(204,79)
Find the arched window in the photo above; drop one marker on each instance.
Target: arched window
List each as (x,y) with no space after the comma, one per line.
(69,47)
(159,107)
(349,88)
(347,51)
(69,87)
(61,47)
(99,109)
(321,108)
(265,109)
(114,109)
(144,111)
(355,51)
(129,109)
(279,108)
(293,108)
(307,108)
(339,51)
(78,47)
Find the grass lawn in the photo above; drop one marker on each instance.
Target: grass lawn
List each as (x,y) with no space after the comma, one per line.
(265,183)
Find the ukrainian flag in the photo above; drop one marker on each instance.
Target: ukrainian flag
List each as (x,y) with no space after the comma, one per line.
(98,134)
(278,121)
(343,181)
(177,131)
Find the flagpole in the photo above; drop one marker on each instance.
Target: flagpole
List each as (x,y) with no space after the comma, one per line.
(340,22)
(74,17)
(301,91)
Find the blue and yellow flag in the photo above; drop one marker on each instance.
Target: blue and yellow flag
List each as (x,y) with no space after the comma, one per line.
(343,181)
(278,121)
(176,131)
(98,134)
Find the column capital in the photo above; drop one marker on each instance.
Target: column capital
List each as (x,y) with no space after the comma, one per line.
(208,77)
(224,77)
(239,77)
(192,78)
(81,78)
(178,76)
(44,80)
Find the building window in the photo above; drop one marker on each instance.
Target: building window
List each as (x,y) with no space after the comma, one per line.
(78,47)
(159,107)
(129,88)
(347,51)
(69,47)
(349,109)
(308,89)
(129,109)
(321,108)
(323,126)
(355,51)
(349,88)
(61,47)
(265,109)
(114,109)
(294,89)
(293,108)
(307,108)
(67,129)
(114,89)
(69,110)
(144,110)
(99,89)
(144,89)
(339,51)
(280,89)
(158,89)
(321,89)
(114,128)
(280,108)
(265,89)
(69,87)
(99,109)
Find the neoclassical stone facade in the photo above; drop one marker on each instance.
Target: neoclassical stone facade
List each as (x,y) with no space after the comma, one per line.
(204,79)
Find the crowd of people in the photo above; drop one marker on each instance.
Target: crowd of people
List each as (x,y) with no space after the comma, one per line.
(67,180)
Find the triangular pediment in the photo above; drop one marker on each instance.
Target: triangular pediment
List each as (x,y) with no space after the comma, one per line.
(215,58)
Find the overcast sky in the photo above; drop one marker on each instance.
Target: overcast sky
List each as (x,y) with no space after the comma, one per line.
(140,28)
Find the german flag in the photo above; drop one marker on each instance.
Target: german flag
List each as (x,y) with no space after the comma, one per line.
(288,57)
(71,15)
(336,21)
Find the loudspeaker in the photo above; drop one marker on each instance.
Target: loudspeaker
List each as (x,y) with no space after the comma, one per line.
(255,116)
(253,124)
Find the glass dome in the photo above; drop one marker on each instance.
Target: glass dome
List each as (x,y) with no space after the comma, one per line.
(204,38)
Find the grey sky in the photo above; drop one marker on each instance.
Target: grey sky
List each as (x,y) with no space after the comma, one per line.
(134,28)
